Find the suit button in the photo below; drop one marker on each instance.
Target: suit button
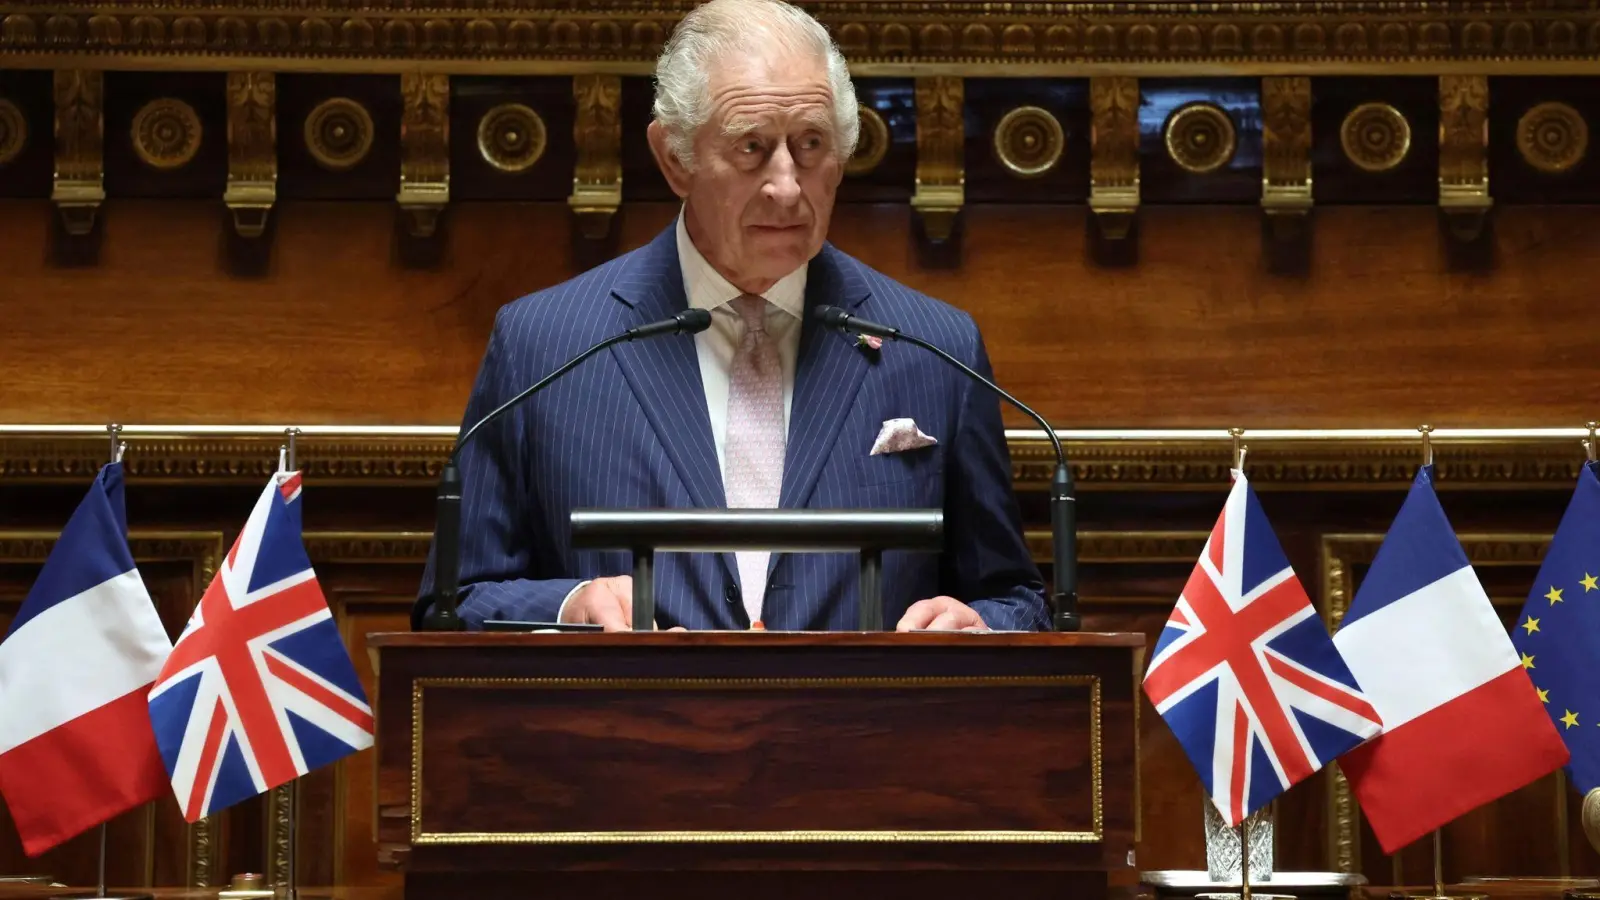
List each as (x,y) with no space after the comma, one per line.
(731,595)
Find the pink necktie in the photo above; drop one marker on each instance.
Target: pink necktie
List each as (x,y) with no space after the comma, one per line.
(753,470)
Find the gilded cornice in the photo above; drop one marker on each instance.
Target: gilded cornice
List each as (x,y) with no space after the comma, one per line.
(1061,37)
(1143,464)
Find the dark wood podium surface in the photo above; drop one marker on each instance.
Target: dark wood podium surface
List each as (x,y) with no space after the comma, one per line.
(713,764)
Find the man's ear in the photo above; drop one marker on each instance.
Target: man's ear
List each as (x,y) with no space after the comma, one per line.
(672,168)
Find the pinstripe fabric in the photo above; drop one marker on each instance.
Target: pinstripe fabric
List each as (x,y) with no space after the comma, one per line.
(631,429)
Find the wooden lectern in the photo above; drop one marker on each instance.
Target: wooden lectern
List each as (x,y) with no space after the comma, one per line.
(757,765)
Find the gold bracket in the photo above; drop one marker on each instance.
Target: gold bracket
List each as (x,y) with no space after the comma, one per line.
(1114,154)
(941,167)
(80,161)
(597,177)
(252,151)
(1463,158)
(1286,159)
(424,151)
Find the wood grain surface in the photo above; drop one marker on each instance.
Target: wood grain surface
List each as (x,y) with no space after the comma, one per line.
(1382,331)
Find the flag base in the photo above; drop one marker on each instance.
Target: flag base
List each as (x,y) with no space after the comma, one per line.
(1437,895)
(1236,895)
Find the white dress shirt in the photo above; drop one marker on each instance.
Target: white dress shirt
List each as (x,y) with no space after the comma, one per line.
(707,289)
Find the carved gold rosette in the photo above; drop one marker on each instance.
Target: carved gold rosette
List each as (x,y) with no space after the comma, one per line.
(13,131)
(511,137)
(166,133)
(1029,141)
(1200,137)
(1375,136)
(873,145)
(339,134)
(1552,137)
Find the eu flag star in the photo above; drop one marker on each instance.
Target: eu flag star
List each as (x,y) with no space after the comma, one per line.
(1570,719)
(1589,582)
(1544,695)
(1554,596)
(1527,661)
(1531,624)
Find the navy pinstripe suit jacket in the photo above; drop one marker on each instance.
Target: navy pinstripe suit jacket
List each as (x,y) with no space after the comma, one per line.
(630,429)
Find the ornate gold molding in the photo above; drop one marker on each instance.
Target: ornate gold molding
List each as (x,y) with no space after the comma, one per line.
(167,133)
(367,546)
(597,178)
(880,37)
(1029,141)
(1375,137)
(80,130)
(1157,464)
(511,137)
(941,162)
(1286,147)
(339,134)
(1126,546)
(252,150)
(1114,154)
(872,146)
(1552,137)
(1463,153)
(1201,137)
(424,151)
(13,131)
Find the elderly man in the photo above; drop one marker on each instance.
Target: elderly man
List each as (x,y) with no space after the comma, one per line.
(755,117)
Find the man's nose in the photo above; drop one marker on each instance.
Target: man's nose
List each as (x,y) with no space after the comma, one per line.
(782,185)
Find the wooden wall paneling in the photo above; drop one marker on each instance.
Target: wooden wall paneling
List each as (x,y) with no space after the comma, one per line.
(151,845)
(370,579)
(354,338)
(892,177)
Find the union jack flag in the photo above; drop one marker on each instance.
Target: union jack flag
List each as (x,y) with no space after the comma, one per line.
(259,689)
(1244,672)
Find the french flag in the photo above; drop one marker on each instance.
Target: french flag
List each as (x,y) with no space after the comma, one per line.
(76,746)
(1462,724)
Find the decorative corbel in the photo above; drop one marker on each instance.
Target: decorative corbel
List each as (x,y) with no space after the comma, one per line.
(80,162)
(1463,154)
(1114,154)
(941,168)
(424,151)
(1286,159)
(597,176)
(252,151)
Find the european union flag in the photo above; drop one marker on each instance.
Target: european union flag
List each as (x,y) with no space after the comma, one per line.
(1558,633)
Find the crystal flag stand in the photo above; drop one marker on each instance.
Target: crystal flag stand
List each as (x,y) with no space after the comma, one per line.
(1228,849)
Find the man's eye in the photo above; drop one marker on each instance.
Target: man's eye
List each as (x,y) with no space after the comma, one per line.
(750,146)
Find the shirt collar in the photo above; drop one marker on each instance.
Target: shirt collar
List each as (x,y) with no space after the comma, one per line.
(707,289)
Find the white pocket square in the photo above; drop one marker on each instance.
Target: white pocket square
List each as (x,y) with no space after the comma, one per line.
(898,435)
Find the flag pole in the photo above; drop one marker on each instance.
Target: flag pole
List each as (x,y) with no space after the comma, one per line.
(114,432)
(291,434)
(1244,858)
(1590,446)
(1438,864)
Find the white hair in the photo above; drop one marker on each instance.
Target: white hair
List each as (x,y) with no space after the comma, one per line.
(714,30)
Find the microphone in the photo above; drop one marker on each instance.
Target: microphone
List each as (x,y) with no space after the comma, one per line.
(1063,493)
(447,530)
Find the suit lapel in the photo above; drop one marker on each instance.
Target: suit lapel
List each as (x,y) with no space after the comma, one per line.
(665,372)
(828,373)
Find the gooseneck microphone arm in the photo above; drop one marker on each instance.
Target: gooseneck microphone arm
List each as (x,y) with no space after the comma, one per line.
(1063,492)
(447,530)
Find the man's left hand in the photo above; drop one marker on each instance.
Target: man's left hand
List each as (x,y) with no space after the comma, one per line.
(941,614)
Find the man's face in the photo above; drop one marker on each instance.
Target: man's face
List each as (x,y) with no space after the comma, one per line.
(761,193)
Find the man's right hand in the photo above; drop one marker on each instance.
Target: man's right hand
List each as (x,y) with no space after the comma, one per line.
(607,602)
